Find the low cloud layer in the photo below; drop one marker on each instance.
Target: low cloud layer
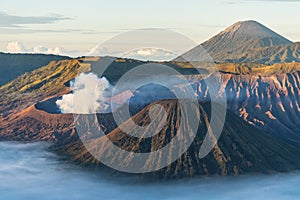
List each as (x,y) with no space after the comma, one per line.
(150,54)
(17,47)
(145,54)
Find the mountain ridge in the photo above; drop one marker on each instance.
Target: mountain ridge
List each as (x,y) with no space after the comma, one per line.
(13,65)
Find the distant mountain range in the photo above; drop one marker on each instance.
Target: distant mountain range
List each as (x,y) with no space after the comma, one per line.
(247,41)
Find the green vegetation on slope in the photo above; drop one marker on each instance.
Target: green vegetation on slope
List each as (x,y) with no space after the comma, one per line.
(258,69)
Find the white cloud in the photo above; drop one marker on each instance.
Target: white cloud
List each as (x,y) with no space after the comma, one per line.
(101,51)
(146,52)
(45,50)
(38,49)
(154,54)
(150,54)
(56,50)
(17,47)
(97,51)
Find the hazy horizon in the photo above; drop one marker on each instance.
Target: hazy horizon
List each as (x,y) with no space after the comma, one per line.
(75,29)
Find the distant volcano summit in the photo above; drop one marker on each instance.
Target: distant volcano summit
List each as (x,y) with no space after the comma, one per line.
(247,41)
(251,29)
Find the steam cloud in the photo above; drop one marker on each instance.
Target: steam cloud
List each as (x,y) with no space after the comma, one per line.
(90,94)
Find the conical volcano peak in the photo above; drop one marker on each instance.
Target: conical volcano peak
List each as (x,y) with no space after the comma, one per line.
(245,41)
(251,29)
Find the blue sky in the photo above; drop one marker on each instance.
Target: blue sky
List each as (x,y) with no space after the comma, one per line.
(81,25)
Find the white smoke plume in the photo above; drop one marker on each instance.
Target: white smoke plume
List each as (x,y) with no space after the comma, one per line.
(90,94)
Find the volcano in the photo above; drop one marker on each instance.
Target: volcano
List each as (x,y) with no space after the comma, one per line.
(241,148)
(246,41)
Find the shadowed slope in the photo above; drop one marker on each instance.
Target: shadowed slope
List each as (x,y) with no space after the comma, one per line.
(14,65)
(241,148)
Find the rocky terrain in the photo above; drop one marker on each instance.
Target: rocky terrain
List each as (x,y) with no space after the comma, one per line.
(241,148)
(267,102)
